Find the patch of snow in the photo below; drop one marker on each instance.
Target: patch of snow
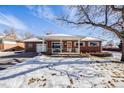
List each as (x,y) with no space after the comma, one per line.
(6,53)
(116,55)
(50,72)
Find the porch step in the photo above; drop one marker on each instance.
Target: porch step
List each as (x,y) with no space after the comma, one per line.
(66,55)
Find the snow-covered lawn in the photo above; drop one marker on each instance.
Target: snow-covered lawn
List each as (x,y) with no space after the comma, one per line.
(51,72)
(6,53)
(116,55)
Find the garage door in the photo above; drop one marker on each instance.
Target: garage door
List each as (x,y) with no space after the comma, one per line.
(40,48)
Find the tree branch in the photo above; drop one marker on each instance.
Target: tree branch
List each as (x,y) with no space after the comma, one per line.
(109,28)
(123,13)
(106,15)
(116,9)
(87,16)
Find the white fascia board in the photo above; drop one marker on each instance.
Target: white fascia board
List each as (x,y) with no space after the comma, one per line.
(9,42)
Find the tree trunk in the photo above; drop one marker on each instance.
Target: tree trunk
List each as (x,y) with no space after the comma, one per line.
(122,57)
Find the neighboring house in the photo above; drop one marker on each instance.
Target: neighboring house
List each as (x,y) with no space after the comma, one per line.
(8,43)
(63,44)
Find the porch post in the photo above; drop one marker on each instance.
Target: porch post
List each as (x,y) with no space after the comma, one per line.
(61,46)
(79,46)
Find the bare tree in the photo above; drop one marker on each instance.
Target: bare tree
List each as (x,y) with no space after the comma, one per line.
(10,33)
(27,35)
(108,17)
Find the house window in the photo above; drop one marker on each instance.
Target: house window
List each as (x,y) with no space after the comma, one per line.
(81,44)
(30,45)
(93,44)
(56,45)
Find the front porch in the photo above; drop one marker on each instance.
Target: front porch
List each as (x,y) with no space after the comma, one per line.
(65,47)
(62,44)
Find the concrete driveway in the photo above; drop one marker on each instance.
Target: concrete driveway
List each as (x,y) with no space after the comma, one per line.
(8,59)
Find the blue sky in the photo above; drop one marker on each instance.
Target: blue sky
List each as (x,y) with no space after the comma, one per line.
(40,19)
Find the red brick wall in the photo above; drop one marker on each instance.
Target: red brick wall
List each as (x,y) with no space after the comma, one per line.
(87,48)
(49,50)
(31,49)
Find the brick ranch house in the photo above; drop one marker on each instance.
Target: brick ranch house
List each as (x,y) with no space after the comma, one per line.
(63,44)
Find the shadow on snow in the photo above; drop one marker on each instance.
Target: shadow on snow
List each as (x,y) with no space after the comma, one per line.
(47,65)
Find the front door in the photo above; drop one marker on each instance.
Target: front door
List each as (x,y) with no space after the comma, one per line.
(69,46)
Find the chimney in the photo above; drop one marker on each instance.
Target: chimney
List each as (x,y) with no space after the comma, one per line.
(49,33)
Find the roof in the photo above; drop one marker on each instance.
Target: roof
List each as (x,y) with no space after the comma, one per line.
(33,40)
(61,37)
(90,39)
(7,39)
